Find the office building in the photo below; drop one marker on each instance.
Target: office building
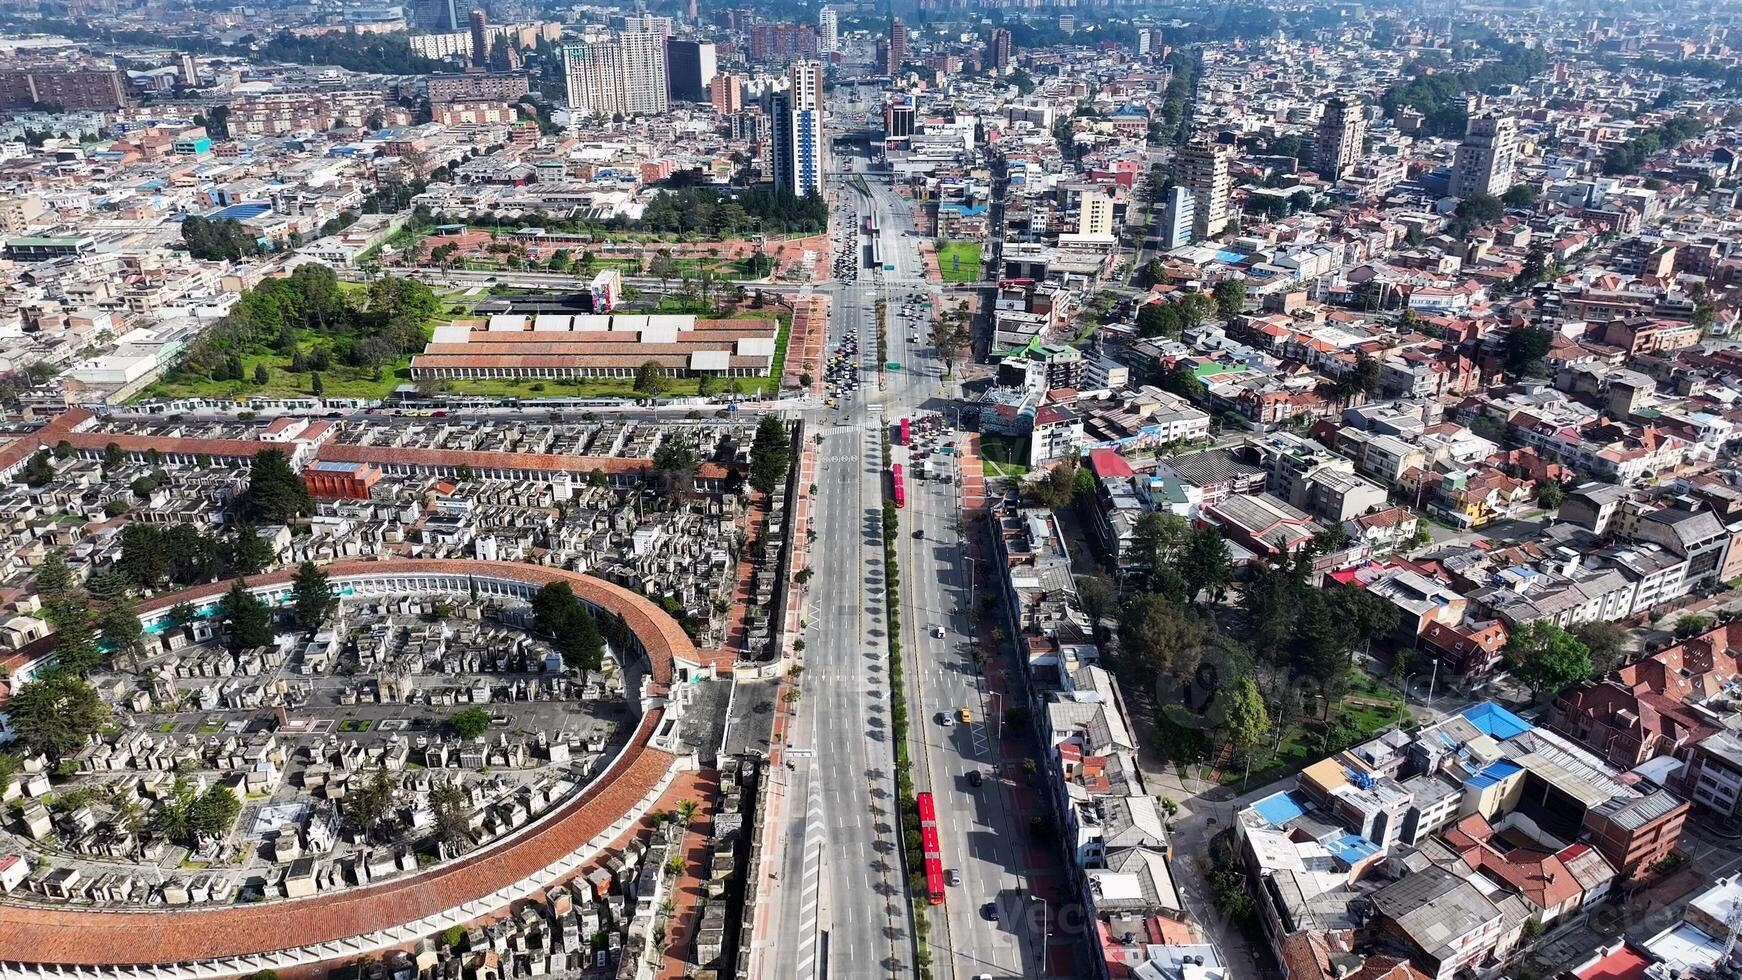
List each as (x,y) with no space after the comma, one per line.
(1145,42)
(1095,214)
(1177,217)
(899,115)
(828,31)
(1486,157)
(800,144)
(690,67)
(1341,136)
(999,49)
(480,40)
(895,48)
(726,92)
(617,74)
(1203,165)
(440,15)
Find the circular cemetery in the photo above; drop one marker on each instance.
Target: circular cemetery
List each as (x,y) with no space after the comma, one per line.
(420,760)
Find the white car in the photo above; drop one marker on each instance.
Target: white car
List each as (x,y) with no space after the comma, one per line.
(937,631)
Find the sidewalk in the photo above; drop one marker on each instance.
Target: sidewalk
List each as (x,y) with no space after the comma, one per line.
(689,888)
(1040,864)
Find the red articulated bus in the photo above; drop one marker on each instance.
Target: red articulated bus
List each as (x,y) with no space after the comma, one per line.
(906,437)
(928,844)
(899,485)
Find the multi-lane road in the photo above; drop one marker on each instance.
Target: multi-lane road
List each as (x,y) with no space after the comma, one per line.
(841,900)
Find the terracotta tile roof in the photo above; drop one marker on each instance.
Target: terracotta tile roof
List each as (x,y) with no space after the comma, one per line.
(635,358)
(480,459)
(58,428)
(83,937)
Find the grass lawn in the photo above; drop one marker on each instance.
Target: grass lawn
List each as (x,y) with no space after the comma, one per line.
(338,381)
(959,261)
(1003,455)
(1303,742)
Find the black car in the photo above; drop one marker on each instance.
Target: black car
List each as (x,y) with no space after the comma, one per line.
(976,778)
(990,911)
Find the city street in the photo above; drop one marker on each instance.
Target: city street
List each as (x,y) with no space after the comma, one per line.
(842,895)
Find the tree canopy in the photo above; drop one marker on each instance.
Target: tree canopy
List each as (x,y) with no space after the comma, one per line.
(313,596)
(55,714)
(247,621)
(276,494)
(563,620)
(1546,657)
(770,454)
(1524,348)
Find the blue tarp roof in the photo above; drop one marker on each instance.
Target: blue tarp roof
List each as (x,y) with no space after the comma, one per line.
(1278,809)
(1496,721)
(1494,773)
(1351,848)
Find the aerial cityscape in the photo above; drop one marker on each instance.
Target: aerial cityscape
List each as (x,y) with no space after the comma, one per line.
(909,489)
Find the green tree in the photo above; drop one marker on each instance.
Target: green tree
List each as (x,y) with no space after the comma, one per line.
(54,579)
(213,814)
(674,467)
(247,621)
(469,723)
(1159,319)
(1206,564)
(1481,208)
(1056,487)
(181,614)
(1246,720)
(75,639)
(117,615)
(262,373)
(650,380)
(314,597)
(1550,495)
(1519,196)
(452,812)
(1230,296)
(55,714)
(770,454)
(1524,347)
(248,552)
(276,494)
(39,471)
(1546,657)
(1158,636)
(562,619)
(1184,383)
(1605,642)
(369,803)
